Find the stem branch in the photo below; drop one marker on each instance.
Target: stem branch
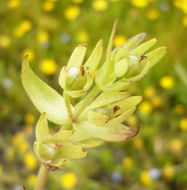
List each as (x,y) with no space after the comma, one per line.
(41,178)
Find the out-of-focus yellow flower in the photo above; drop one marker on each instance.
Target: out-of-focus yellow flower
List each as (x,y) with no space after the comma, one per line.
(157,101)
(13,3)
(18,138)
(132,120)
(153,14)
(4,110)
(22,28)
(72,12)
(1,169)
(48,66)
(181,4)
(119,39)
(149,92)
(127,162)
(28,129)
(176,145)
(78,1)
(100,5)
(4,41)
(29,118)
(42,37)
(166,82)
(138,143)
(30,161)
(179,109)
(10,153)
(23,146)
(82,37)
(28,52)
(183,124)
(184,21)
(48,5)
(140,3)
(168,171)
(31,180)
(68,180)
(145,107)
(145,179)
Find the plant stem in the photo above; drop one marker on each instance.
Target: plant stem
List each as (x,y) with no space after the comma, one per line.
(41,178)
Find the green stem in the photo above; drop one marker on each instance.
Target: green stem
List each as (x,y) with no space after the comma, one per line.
(41,178)
(86,101)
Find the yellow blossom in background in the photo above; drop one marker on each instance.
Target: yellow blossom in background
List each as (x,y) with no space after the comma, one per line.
(181,4)
(145,107)
(145,179)
(31,180)
(28,129)
(68,180)
(10,153)
(13,3)
(153,14)
(149,92)
(179,109)
(23,146)
(78,1)
(28,52)
(168,171)
(119,39)
(157,101)
(30,161)
(82,37)
(127,162)
(183,124)
(72,12)
(22,28)
(176,145)
(1,169)
(29,118)
(4,41)
(48,66)
(138,143)
(18,138)
(100,5)
(132,120)
(4,110)
(48,5)
(140,3)
(166,82)
(184,21)
(42,37)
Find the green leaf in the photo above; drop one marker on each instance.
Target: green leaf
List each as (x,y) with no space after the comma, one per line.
(95,57)
(77,56)
(42,130)
(62,136)
(122,117)
(109,133)
(69,151)
(97,118)
(141,49)
(127,104)
(46,99)
(106,98)
(121,67)
(129,45)
(156,55)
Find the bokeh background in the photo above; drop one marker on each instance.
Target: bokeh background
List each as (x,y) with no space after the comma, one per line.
(48,30)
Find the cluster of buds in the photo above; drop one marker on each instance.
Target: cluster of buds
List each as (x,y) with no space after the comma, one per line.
(94,104)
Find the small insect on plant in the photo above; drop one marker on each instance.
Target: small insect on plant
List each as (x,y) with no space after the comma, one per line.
(95,101)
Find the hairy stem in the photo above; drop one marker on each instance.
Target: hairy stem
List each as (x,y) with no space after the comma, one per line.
(41,178)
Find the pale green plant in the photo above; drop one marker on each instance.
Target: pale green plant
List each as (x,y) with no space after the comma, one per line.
(94,104)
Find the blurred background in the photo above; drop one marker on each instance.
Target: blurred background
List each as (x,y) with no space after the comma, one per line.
(48,30)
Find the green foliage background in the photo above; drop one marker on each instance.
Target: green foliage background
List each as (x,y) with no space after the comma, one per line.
(50,29)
